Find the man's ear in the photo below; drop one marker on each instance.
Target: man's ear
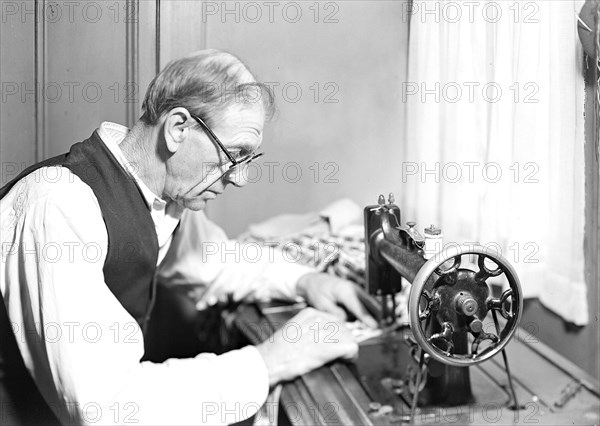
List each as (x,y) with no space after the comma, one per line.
(176,128)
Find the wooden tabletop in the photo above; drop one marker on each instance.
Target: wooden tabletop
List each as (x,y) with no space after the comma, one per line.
(550,389)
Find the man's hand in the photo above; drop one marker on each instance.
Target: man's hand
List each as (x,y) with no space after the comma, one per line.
(330,293)
(309,340)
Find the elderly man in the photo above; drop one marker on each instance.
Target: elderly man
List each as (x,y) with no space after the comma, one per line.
(86,234)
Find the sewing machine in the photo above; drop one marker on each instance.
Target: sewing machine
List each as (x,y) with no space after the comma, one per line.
(449,304)
(452,363)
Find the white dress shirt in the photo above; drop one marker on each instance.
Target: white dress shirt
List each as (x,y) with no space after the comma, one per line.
(82,347)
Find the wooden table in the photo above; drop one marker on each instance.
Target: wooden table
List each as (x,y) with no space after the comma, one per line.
(550,389)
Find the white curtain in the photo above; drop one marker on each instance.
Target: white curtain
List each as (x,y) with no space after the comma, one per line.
(495,137)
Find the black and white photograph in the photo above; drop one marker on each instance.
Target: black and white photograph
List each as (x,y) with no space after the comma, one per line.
(298,213)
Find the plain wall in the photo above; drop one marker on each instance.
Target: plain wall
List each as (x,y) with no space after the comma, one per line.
(340,123)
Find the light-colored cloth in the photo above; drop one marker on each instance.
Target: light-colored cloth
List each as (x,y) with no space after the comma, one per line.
(342,214)
(284,226)
(335,218)
(82,347)
(330,241)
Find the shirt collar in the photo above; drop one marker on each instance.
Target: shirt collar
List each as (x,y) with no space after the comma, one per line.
(112,134)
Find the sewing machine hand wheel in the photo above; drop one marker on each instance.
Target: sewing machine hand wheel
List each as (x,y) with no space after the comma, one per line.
(459,300)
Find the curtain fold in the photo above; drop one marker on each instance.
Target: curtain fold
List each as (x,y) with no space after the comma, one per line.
(495,138)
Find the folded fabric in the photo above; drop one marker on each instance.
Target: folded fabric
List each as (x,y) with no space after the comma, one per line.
(287,225)
(341,214)
(330,241)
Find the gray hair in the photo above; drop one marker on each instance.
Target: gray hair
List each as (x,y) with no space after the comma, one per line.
(207,83)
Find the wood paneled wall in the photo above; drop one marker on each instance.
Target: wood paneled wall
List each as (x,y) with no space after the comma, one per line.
(66,66)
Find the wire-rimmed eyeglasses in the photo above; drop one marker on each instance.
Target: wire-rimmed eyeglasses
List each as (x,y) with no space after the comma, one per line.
(235,163)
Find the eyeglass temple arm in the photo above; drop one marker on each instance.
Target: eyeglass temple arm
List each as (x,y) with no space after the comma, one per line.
(215,138)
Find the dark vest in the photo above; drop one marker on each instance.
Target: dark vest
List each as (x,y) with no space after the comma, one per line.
(129,269)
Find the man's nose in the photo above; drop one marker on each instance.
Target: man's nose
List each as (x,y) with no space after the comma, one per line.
(237,177)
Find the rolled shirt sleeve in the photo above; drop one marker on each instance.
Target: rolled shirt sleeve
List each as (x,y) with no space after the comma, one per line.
(203,255)
(81,346)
